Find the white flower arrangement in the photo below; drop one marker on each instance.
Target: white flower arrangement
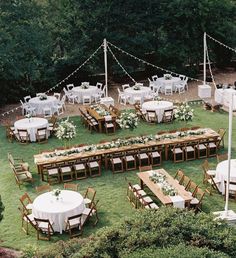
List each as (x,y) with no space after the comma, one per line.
(128,120)
(43,97)
(184,112)
(157,98)
(100,110)
(66,130)
(160,179)
(56,192)
(84,85)
(136,87)
(167,76)
(124,142)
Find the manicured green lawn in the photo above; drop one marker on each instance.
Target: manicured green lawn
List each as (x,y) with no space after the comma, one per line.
(111,189)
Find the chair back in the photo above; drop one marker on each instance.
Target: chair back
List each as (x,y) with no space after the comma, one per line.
(125,86)
(25,200)
(43,188)
(154,77)
(221,157)
(90,193)
(99,85)
(179,176)
(71,186)
(57,95)
(145,168)
(27,98)
(70,86)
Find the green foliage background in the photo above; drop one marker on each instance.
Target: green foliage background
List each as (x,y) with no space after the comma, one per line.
(43,41)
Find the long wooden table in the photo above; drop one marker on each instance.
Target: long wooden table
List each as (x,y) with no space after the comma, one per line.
(157,191)
(100,118)
(41,160)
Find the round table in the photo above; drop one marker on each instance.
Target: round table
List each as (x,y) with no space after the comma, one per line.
(39,105)
(31,125)
(46,206)
(132,93)
(222,96)
(222,172)
(80,92)
(158,106)
(162,82)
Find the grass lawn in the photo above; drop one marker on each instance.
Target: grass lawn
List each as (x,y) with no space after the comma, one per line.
(111,189)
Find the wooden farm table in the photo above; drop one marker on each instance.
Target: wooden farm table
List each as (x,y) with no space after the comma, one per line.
(157,191)
(40,159)
(100,118)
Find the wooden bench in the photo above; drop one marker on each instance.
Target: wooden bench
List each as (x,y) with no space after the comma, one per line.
(211,104)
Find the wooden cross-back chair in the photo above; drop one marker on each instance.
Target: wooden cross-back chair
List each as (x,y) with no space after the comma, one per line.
(179,176)
(89,196)
(43,188)
(196,202)
(26,220)
(71,186)
(26,202)
(211,182)
(44,229)
(221,157)
(221,133)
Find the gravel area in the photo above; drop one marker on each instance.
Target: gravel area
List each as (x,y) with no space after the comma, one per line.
(227,76)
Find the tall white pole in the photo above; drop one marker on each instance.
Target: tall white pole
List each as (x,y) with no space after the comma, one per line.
(105,63)
(204,58)
(229,153)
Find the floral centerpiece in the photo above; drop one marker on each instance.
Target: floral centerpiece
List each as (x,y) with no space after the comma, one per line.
(84,86)
(184,112)
(167,76)
(157,98)
(128,120)
(28,116)
(160,179)
(136,87)
(100,110)
(43,97)
(66,130)
(56,193)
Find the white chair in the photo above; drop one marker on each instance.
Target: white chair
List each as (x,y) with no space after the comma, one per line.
(58,108)
(70,86)
(154,77)
(87,100)
(99,86)
(151,84)
(186,83)
(47,112)
(182,77)
(27,109)
(122,98)
(70,97)
(168,88)
(125,86)
(180,87)
(156,87)
(57,95)
(27,98)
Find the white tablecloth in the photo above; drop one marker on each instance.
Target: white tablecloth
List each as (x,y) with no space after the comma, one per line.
(131,93)
(204,91)
(41,104)
(107,101)
(70,203)
(222,171)
(222,96)
(158,106)
(80,92)
(31,125)
(162,82)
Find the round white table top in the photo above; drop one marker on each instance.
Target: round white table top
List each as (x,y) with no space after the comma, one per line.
(143,89)
(153,105)
(172,80)
(33,122)
(68,200)
(37,101)
(222,169)
(80,89)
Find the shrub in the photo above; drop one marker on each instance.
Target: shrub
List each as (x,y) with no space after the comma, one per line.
(168,229)
(1,208)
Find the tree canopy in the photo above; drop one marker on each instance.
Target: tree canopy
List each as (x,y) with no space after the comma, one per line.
(43,41)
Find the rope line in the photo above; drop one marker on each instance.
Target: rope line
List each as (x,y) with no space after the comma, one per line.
(121,65)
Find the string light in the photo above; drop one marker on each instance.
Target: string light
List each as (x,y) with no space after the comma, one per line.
(121,65)
(222,44)
(150,64)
